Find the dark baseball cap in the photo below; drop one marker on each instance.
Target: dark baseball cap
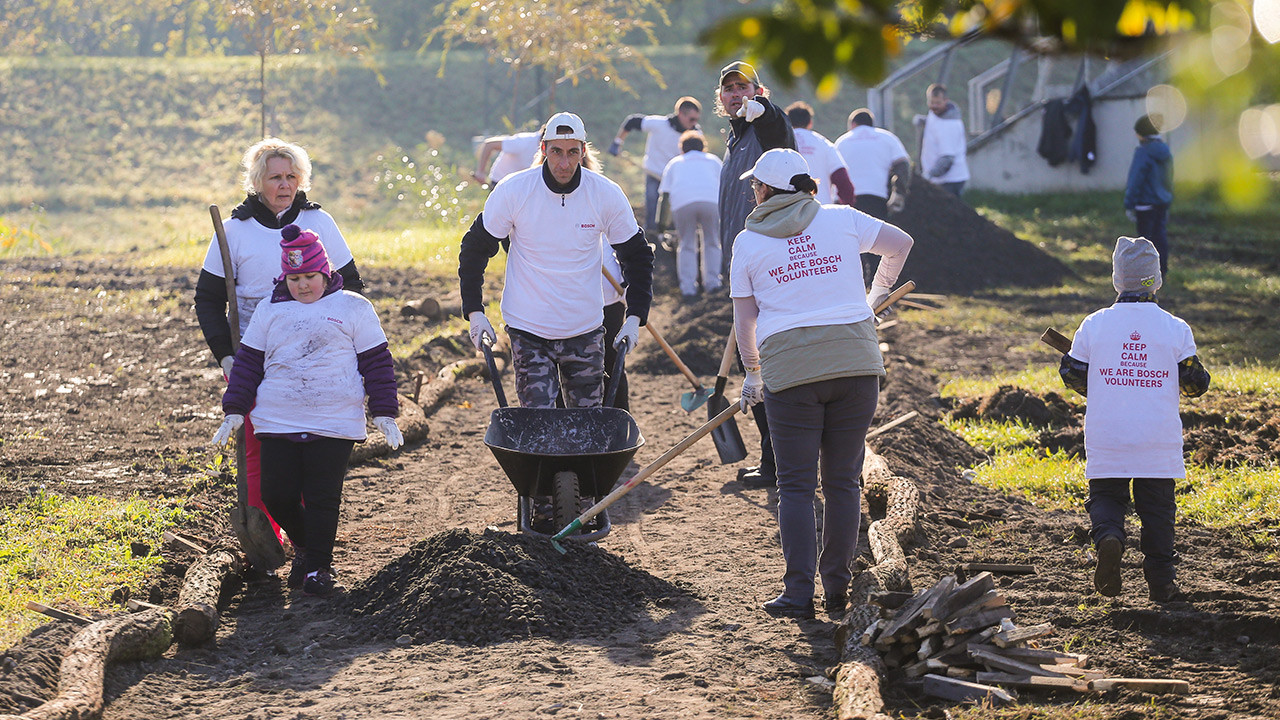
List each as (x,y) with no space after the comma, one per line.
(741,68)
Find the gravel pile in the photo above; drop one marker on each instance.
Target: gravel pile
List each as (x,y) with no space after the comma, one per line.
(491,587)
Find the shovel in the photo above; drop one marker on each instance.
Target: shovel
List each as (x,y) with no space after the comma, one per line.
(691,400)
(727,438)
(252,527)
(710,426)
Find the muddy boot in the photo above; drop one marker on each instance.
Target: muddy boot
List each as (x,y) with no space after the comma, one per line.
(1167,593)
(1106,577)
(298,570)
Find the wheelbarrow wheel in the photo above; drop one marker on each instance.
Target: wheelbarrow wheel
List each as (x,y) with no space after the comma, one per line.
(564,500)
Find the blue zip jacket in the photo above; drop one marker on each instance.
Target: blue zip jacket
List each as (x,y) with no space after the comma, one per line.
(1150,175)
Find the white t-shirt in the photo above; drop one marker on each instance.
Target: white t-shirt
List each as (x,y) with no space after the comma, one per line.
(823,161)
(517,153)
(869,153)
(944,137)
(1131,423)
(311,382)
(662,143)
(255,256)
(553,278)
(692,177)
(812,279)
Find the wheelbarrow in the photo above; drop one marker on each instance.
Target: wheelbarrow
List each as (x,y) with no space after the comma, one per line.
(563,459)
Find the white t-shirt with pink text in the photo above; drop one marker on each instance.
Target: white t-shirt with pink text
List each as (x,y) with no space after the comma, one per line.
(809,280)
(1131,423)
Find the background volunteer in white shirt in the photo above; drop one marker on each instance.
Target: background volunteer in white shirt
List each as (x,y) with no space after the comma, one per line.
(515,152)
(689,187)
(878,164)
(807,337)
(944,143)
(825,164)
(554,215)
(662,144)
(1132,359)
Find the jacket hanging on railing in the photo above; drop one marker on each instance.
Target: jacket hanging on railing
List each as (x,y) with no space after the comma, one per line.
(1055,133)
(1084,143)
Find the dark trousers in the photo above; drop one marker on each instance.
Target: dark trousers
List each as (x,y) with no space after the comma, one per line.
(876,207)
(614,316)
(1153,225)
(820,424)
(302,488)
(651,184)
(1153,500)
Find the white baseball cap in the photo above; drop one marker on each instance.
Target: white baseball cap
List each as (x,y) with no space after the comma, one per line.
(565,126)
(776,167)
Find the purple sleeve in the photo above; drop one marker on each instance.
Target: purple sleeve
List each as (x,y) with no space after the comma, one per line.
(246,376)
(379,374)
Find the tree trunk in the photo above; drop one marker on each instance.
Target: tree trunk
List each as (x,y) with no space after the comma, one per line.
(198,599)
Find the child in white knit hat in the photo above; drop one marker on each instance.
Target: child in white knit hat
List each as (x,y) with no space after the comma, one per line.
(1131,359)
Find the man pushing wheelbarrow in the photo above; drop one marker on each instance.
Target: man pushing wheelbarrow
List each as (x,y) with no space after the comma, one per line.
(554,215)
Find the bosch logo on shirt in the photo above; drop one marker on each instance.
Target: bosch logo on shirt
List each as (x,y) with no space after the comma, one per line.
(587,226)
(334,320)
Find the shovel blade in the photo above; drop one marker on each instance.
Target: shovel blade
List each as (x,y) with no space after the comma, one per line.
(727,439)
(694,399)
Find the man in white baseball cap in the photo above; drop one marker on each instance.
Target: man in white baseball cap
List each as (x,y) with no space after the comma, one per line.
(554,214)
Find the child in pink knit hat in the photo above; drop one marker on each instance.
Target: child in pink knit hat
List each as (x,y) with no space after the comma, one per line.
(307,361)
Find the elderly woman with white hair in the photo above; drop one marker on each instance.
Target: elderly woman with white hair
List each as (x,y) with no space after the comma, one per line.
(807,338)
(276,178)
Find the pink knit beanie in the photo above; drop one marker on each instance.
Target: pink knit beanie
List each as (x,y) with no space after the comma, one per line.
(301,252)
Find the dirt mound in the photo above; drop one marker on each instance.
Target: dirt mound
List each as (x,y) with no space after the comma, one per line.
(957,251)
(29,669)
(496,586)
(1010,404)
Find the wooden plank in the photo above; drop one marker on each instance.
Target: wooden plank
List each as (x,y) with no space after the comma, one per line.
(1020,635)
(1156,686)
(930,646)
(991,599)
(1040,657)
(890,600)
(1073,671)
(1032,681)
(171,537)
(941,598)
(139,606)
(57,614)
(887,324)
(976,638)
(979,620)
(916,305)
(910,612)
(958,690)
(907,417)
(962,673)
(933,627)
(1004,568)
(996,661)
(976,587)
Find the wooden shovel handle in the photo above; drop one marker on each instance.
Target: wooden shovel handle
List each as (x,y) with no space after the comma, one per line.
(671,353)
(1056,340)
(228,274)
(730,346)
(896,295)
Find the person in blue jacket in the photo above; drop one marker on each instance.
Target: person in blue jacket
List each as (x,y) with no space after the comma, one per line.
(1149,191)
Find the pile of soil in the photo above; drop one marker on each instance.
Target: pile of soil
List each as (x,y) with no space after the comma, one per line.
(29,669)
(497,586)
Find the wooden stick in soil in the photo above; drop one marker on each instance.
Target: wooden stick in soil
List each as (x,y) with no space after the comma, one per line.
(170,537)
(57,614)
(908,417)
(198,599)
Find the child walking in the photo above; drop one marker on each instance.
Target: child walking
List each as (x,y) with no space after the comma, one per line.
(309,357)
(1131,360)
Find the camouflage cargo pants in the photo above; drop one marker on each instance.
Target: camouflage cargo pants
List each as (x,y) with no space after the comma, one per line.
(542,366)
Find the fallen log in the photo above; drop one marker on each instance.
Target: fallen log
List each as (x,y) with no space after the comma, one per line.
(198,598)
(118,638)
(857,690)
(413,425)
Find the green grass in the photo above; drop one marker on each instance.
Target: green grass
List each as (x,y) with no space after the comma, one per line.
(1039,379)
(991,436)
(55,549)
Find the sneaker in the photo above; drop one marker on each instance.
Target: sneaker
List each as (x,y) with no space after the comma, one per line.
(780,607)
(319,584)
(836,604)
(760,476)
(298,569)
(1167,593)
(1106,576)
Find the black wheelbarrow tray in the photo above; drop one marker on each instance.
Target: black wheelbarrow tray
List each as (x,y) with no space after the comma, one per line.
(564,454)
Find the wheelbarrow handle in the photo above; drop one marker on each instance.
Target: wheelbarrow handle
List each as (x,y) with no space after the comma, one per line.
(486,344)
(616,378)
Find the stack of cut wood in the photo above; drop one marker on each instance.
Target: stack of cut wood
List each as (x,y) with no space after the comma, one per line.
(961,639)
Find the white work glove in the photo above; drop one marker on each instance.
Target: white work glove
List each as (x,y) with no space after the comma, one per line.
(389,428)
(752,389)
(918,120)
(1132,215)
(226,364)
(876,296)
(896,202)
(751,109)
(628,333)
(479,328)
(228,428)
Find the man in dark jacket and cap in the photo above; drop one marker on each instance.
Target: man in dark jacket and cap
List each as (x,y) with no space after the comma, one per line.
(1149,191)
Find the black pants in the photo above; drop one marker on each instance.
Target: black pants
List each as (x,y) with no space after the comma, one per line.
(1153,500)
(302,489)
(1153,225)
(876,207)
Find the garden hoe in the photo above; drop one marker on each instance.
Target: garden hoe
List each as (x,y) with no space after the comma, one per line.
(691,400)
(251,525)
